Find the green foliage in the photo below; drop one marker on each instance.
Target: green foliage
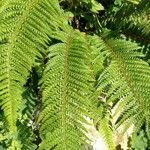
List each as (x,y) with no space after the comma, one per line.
(64,86)
(125,75)
(139,142)
(94,5)
(63,61)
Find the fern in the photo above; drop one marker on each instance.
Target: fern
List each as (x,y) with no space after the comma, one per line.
(134,20)
(105,128)
(65,102)
(24,33)
(56,76)
(126,75)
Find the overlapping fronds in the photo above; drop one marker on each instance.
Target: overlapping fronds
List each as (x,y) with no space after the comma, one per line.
(138,30)
(131,19)
(103,122)
(137,27)
(125,79)
(81,75)
(127,10)
(24,29)
(134,25)
(26,125)
(65,90)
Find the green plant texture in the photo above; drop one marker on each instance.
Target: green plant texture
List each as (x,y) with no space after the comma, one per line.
(63,61)
(139,142)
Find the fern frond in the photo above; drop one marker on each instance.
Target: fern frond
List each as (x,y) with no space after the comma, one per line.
(103,122)
(126,78)
(26,136)
(134,18)
(25,27)
(137,28)
(106,131)
(128,10)
(65,89)
(29,104)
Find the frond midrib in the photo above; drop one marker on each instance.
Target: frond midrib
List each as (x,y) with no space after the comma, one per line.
(64,102)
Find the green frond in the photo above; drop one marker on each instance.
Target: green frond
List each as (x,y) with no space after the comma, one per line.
(26,126)
(27,137)
(103,121)
(137,28)
(105,128)
(65,89)
(25,27)
(126,78)
(29,100)
(134,19)
(128,10)
(107,133)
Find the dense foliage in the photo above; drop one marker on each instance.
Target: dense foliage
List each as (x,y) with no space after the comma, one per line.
(63,61)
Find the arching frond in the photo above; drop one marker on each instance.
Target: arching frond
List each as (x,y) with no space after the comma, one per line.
(27,137)
(125,79)
(103,124)
(29,104)
(24,29)
(65,90)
